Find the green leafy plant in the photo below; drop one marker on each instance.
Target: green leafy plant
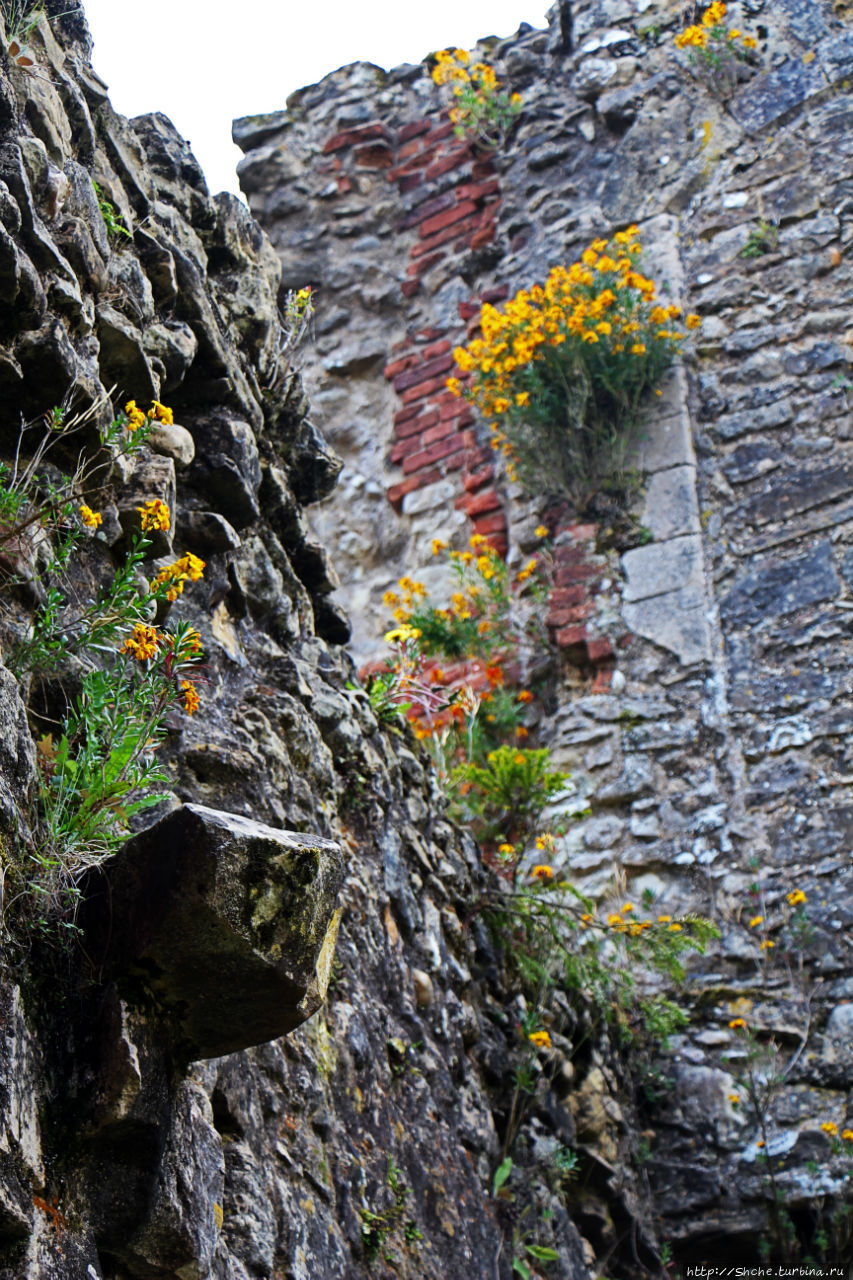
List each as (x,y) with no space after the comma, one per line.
(379,1229)
(112,218)
(101,769)
(296,321)
(481,110)
(715,49)
(561,373)
(507,793)
(762,239)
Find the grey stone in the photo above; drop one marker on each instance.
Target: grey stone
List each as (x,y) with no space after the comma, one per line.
(231,922)
(663,567)
(777,587)
(670,507)
(636,776)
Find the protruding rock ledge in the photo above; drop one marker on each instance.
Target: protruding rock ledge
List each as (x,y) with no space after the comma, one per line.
(229,925)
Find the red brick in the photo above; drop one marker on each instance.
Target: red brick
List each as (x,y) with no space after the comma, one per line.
(414,129)
(422,265)
(437,349)
(441,237)
(423,391)
(482,169)
(439,432)
(405,169)
(490,524)
(409,182)
(397,492)
(456,461)
(574,573)
(409,288)
(403,415)
(400,366)
(496,295)
(435,452)
(571,637)
(480,504)
(582,532)
(447,164)
(424,372)
(484,236)
(603,680)
(563,597)
(476,479)
(457,409)
(600,650)
(427,208)
(348,137)
(405,448)
(376,156)
(499,543)
(479,457)
(468,310)
(438,134)
(447,218)
(565,617)
(409,149)
(345,184)
(429,334)
(414,426)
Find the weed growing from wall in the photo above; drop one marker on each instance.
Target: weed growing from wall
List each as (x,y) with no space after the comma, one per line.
(482,111)
(561,373)
(132,666)
(716,50)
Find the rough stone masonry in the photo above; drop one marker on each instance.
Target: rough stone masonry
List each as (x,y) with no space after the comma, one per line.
(366,1141)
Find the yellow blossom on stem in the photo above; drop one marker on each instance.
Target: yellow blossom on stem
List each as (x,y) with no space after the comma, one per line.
(830,1127)
(738,1024)
(796,897)
(143,643)
(154,515)
(191,698)
(542,872)
(540,1039)
(90,518)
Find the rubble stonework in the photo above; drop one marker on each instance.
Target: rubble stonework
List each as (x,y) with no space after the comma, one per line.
(703,707)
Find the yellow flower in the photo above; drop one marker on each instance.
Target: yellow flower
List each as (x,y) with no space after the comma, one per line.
(638,349)
(506,849)
(188,569)
(90,518)
(401,634)
(756,921)
(847,1135)
(540,1039)
(692,321)
(587,919)
(766,944)
(542,872)
(749,43)
(734,1099)
(143,643)
(664,919)
(154,515)
(796,897)
(738,1024)
(389,599)
(135,417)
(522,398)
(629,906)
(438,545)
(540,531)
(159,413)
(191,698)
(830,1127)
(674,928)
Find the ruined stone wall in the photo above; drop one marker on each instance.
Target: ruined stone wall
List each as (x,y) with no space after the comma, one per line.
(708,732)
(371,1133)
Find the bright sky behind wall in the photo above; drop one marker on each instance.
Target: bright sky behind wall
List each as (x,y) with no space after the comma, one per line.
(204,62)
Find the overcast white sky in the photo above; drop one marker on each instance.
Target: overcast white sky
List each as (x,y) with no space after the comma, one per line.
(204,62)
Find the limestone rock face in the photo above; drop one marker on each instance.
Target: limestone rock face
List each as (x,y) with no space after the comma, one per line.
(230,924)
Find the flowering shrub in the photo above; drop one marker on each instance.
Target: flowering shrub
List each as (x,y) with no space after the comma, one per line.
(561,372)
(715,48)
(508,792)
(481,111)
(102,768)
(296,317)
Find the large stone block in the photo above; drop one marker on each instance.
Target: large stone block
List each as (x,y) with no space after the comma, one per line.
(227,924)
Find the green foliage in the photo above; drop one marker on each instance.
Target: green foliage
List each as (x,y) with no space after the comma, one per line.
(20,18)
(561,372)
(508,792)
(101,768)
(112,218)
(379,1229)
(762,239)
(501,1174)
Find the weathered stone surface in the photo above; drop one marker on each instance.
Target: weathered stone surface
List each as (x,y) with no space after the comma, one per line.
(777,587)
(663,567)
(230,924)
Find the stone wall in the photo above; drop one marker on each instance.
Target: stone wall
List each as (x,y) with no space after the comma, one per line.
(708,733)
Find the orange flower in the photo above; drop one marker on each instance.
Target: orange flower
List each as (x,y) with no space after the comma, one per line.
(542,872)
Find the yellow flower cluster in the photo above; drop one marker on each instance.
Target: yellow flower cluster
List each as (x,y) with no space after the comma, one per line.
(541,1039)
(712,28)
(143,643)
(191,698)
(154,515)
(401,604)
(90,518)
(188,569)
(157,413)
(602,301)
(480,105)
